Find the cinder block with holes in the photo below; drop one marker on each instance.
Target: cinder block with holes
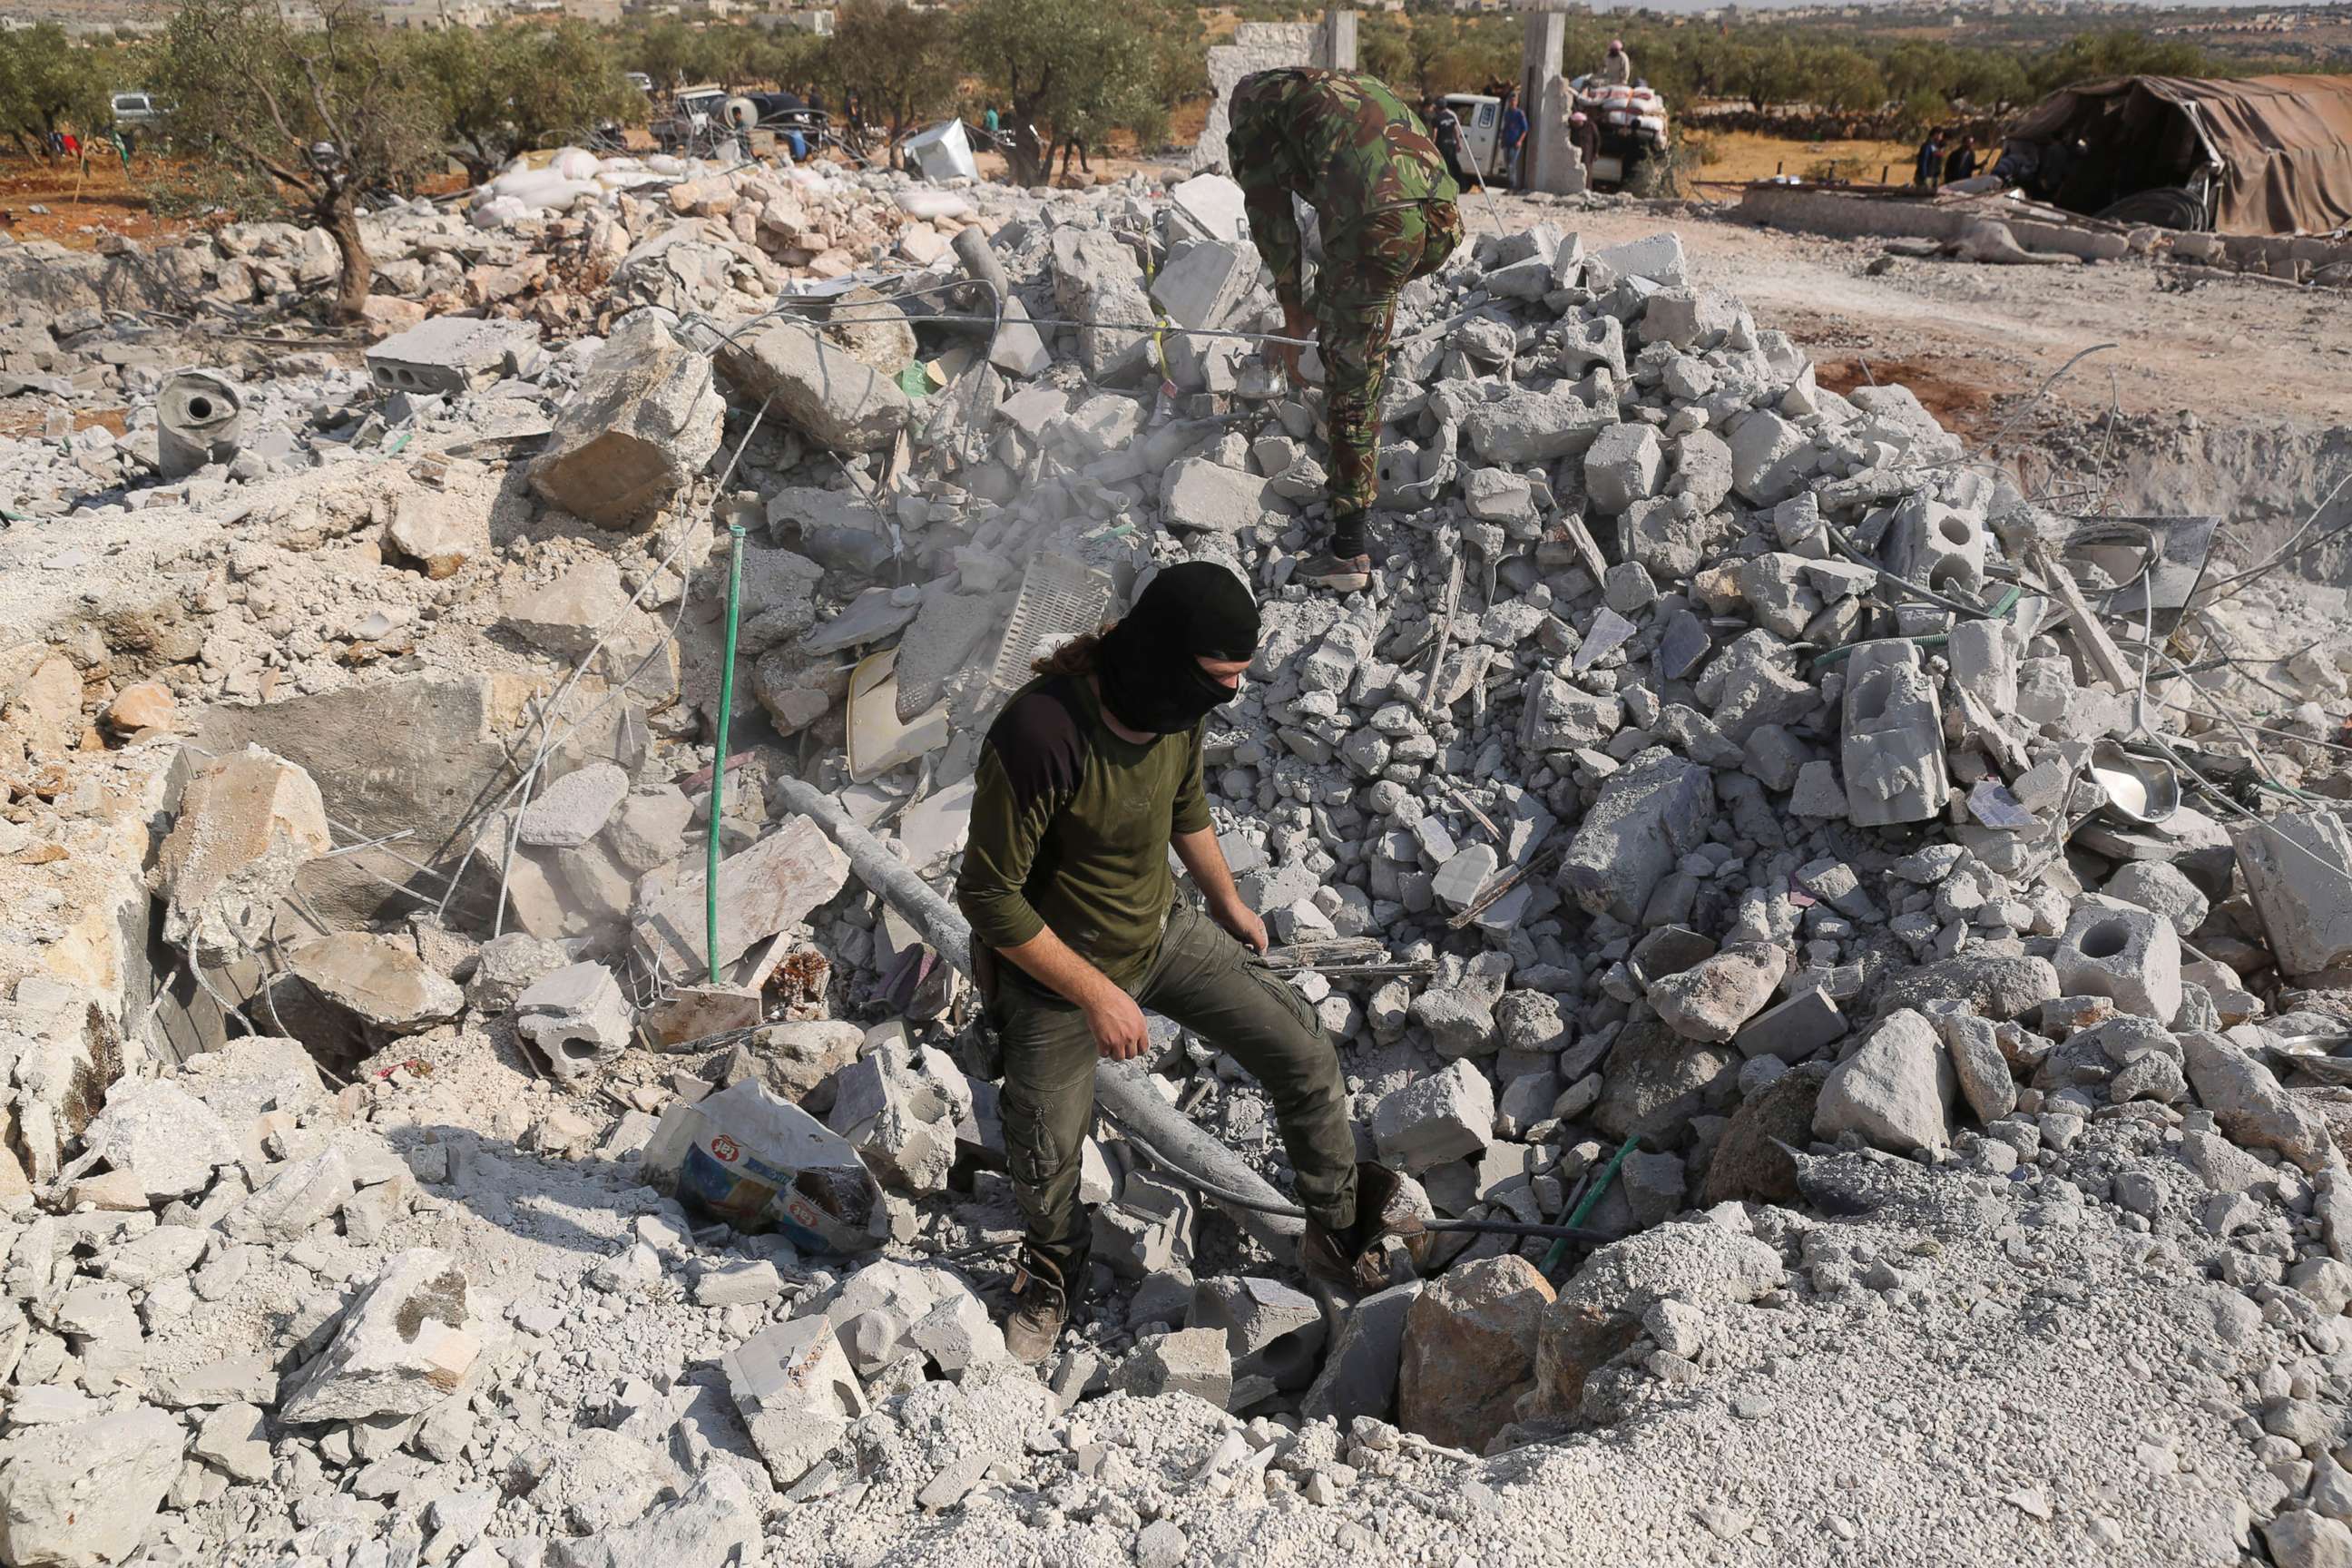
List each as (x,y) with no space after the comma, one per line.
(1938,545)
(2128,955)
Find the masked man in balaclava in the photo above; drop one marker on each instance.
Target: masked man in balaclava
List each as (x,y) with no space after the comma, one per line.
(1090,774)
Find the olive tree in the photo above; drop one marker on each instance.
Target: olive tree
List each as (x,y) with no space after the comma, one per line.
(502,90)
(48,82)
(311,121)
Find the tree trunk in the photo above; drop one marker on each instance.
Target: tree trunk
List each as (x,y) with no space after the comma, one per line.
(339,215)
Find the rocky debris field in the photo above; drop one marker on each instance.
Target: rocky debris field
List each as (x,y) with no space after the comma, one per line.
(1914,921)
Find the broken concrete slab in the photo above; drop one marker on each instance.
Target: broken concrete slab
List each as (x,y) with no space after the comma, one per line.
(163,1138)
(645,420)
(411,1339)
(816,386)
(764,888)
(247,823)
(795,1392)
(421,753)
(1360,1376)
(1651,812)
(87,1493)
(296,1195)
(2298,868)
(377,980)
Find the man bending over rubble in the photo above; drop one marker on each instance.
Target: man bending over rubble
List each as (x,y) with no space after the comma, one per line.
(1346,145)
(1089,776)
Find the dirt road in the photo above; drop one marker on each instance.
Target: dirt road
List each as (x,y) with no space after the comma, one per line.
(1962,337)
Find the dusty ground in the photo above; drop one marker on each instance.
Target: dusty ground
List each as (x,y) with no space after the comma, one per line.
(1736,155)
(2235,351)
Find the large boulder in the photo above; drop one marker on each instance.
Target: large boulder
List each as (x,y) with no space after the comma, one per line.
(645,420)
(1896,1089)
(1655,1082)
(1469,1351)
(1750,1163)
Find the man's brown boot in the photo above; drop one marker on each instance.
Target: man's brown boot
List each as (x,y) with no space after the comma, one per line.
(1346,1259)
(1041,1307)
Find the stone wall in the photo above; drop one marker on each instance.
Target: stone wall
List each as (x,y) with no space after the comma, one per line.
(1256,47)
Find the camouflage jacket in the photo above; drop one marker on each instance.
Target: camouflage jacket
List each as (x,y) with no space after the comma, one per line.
(1342,142)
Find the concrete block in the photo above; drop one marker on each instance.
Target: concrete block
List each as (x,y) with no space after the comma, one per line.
(793,1389)
(449,354)
(1936,544)
(575,1019)
(1893,750)
(1019,348)
(1622,466)
(1190,1360)
(2297,867)
(645,420)
(1895,1090)
(1360,1376)
(1768,457)
(1598,340)
(2162,889)
(1658,259)
(1271,1330)
(1688,318)
(1442,1116)
(1201,496)
(2127,954)
(1983,658)
(1651,812)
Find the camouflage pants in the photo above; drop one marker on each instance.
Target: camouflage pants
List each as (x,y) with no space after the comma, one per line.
(1365,264)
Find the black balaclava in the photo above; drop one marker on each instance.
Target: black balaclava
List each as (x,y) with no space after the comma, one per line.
(1150,662)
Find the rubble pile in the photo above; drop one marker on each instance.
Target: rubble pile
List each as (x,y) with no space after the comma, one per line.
(1733,814)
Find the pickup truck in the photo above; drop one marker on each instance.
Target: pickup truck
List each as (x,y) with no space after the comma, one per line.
(134,109)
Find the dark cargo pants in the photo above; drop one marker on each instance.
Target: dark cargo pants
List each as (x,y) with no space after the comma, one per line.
(1365,266)
(1210,984)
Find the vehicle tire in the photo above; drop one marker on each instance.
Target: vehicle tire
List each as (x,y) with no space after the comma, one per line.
(2166,206)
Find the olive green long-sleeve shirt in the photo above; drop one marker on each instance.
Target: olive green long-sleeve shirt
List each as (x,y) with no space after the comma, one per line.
(1070,830)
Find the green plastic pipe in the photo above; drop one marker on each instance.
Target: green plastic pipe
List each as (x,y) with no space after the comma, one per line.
(1559,1253)
(718,762)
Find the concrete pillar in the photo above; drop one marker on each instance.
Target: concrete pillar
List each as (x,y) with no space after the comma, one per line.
(1551,162)
(1340,38)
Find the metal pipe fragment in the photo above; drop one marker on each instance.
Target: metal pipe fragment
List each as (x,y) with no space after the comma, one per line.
(1123,1089)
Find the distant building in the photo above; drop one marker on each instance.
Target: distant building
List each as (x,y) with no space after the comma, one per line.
(434,16)
(597,11)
